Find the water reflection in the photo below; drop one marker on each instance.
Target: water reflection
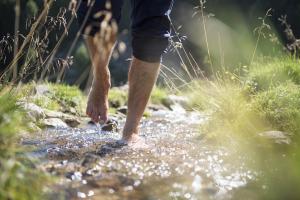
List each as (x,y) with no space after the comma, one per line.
(175,166)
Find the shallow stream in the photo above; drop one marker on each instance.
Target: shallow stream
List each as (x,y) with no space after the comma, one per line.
(176,164)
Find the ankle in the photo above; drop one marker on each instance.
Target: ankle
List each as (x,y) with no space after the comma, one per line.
(128,133)
(102,83)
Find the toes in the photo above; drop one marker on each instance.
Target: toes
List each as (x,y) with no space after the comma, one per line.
(95,116)
(88,111)
(103,116)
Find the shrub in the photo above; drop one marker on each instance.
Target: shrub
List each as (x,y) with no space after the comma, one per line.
(280,106)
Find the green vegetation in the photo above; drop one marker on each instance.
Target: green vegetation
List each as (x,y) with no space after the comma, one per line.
(117,97)
(18,179)
(57,97)
(159,96)
(280,106)
(267,94)
(263,97)
(273,72)
(65,98)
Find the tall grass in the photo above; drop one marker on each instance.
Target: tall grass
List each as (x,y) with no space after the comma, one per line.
(33,59)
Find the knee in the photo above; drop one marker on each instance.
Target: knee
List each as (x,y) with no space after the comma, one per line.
(150,39)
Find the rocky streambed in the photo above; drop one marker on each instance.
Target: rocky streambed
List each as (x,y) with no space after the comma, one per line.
(176,164)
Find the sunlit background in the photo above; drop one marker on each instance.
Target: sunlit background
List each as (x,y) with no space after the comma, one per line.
(230,27)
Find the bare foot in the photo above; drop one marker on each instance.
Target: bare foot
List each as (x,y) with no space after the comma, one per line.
(133,140)
(97,106)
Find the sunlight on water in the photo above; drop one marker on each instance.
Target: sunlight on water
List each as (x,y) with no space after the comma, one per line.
(175,164)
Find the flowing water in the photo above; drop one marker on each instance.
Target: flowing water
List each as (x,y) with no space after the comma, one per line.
(176,164)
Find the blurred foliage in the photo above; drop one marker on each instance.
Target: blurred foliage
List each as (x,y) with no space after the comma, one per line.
(243,106)
(241,16)
(273,72)
(160,96)
(280,106)
(19,179)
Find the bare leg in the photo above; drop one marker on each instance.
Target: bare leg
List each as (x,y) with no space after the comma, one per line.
(142,77)
(97,106)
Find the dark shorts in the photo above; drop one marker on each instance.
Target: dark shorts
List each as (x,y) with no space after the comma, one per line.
(150,24)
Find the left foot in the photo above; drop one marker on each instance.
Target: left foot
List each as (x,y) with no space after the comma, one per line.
(133,140)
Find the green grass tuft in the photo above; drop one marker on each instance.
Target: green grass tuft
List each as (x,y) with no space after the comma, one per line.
(19,180)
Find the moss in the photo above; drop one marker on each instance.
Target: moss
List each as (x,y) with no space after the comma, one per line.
(60,97)
(280,106)
(67,95)
(45,102)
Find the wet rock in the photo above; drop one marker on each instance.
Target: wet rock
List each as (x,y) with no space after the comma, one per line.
(53,114)
(111,125)
(153,107)
(72,121)
(89,160)
(54,123)
(57,153)
(110,148)
(123,110)
(278,137)
(33,111)
(108,127)
(74,176)
(114,182)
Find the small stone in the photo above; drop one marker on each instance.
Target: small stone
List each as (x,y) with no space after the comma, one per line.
(111,126)
(53,114)
(72,121)
(123,110)
(108,127)
(54,123)
(74,176)
(278,137)
(89,160)
(33,110)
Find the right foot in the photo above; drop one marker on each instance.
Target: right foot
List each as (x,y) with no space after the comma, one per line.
(97,106)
